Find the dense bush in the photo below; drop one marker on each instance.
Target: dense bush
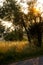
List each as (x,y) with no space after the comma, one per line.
(14,35)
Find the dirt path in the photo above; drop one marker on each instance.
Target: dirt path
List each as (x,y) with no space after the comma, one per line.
(34,61)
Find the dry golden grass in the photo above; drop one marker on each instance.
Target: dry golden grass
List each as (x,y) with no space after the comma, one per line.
(19,45)
(18,50)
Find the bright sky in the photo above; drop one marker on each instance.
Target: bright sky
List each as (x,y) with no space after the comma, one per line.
(7,24)
(39,5)
(1,2)
(24,8)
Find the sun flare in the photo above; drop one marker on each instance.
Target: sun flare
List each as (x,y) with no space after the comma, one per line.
(39,5)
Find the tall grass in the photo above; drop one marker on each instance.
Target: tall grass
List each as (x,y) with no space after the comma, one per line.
(18,50)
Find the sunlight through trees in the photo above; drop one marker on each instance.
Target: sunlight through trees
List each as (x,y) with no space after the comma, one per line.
(27,14)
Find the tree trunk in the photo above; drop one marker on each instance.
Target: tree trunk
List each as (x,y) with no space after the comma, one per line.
(39,39)
(28,34)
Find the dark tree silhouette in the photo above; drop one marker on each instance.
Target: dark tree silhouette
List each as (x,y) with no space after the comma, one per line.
(35,30)
(2,29)
(29,21)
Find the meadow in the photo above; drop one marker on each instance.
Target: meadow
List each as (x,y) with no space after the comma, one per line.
(18,50)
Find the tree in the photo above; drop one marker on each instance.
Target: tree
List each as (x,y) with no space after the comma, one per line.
(36,32)
(36,24)
(29,21)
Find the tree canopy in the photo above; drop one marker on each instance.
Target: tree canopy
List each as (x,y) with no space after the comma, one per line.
(12,11)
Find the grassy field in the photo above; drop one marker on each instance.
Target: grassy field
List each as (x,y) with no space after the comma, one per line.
(18,50)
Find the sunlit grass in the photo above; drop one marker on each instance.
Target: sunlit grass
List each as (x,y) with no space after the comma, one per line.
(18,50)
(5,46)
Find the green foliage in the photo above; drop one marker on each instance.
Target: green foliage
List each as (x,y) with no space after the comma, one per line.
(2,28)
(14,36)
(9,7)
